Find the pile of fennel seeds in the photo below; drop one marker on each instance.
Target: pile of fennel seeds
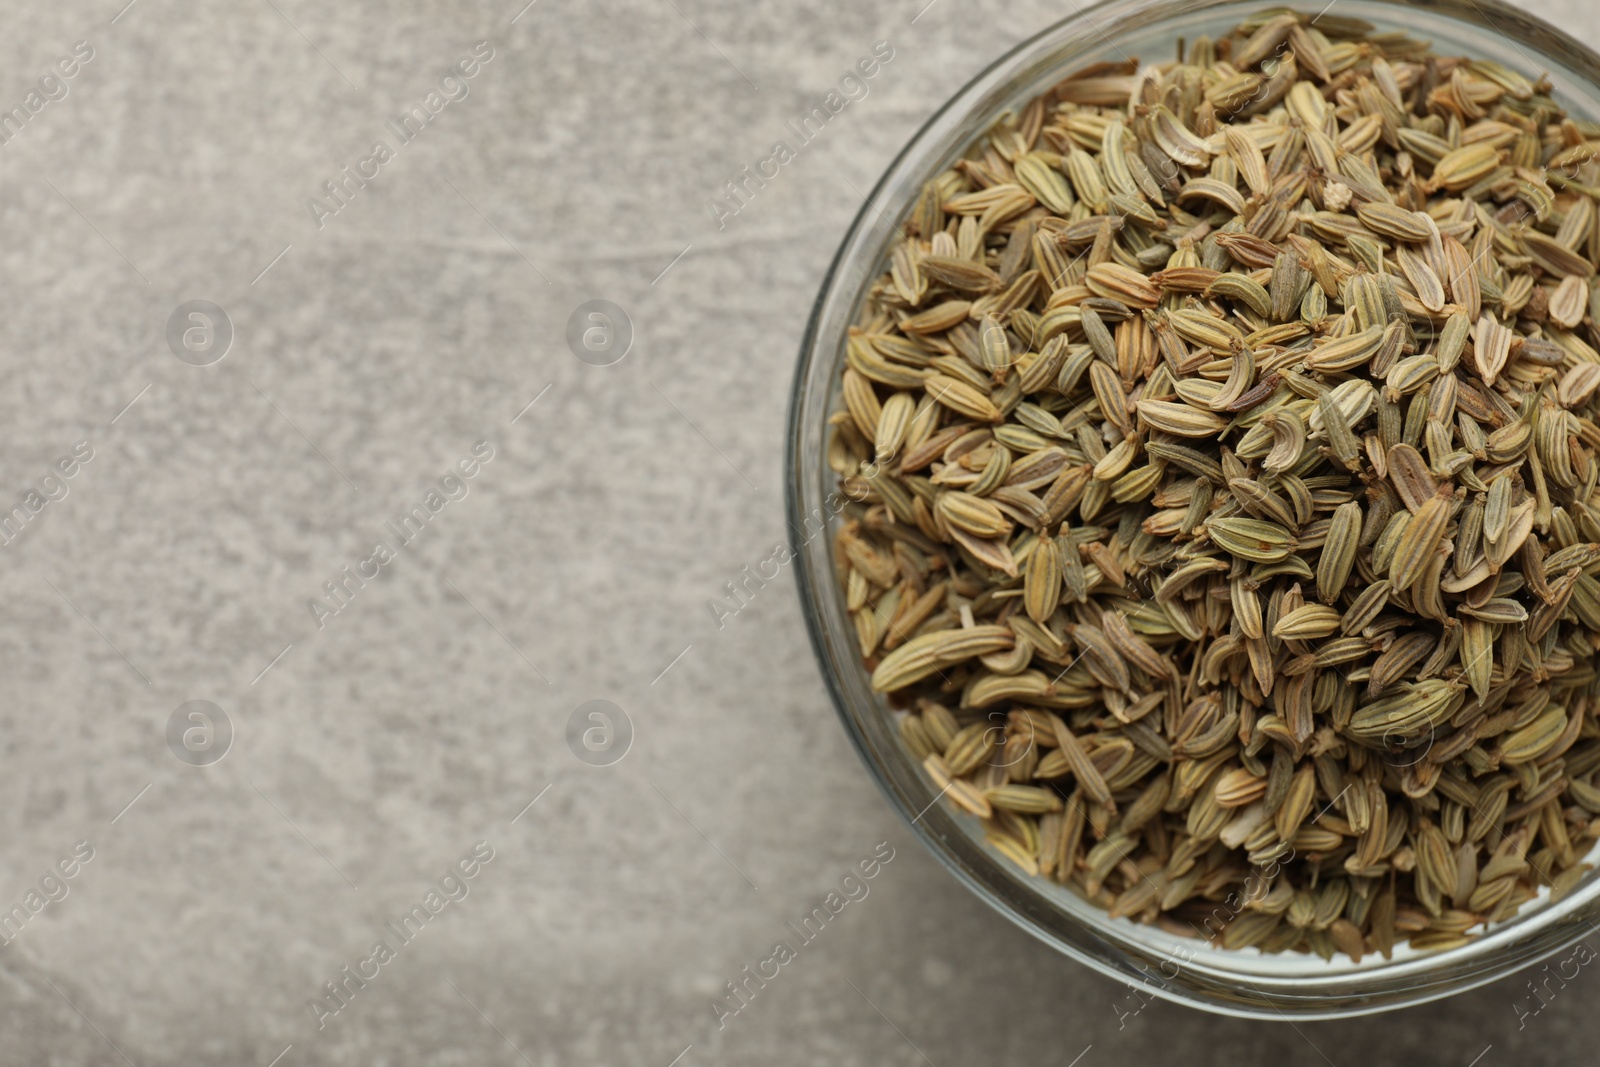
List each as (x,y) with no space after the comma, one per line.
(1222,437)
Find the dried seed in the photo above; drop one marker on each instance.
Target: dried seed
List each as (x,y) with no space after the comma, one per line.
(1240,377)
(1578,384)
(1246,154)
(1570,301)
(1339,551)
(1045,183)
(962,398)
(1252,539)
(1430,290)
(1463,166)
(1027,799)
(1419,540)
(961,274)
(1410,476)
(1288,440)
(1043,580)
(973,514)
(1556,258)
(1346,353)
(1180,419)
(1534,739)
(994,346)
(1113,399)
(1134,648)
(1290,284)
(1089,778)
(1122,283)
(1243,289)
(894,420)
(1177,140)
(1308,622)
(928,653)
(1491,348)
(1393,221)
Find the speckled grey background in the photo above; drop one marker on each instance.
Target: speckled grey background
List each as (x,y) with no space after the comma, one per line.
(369,356)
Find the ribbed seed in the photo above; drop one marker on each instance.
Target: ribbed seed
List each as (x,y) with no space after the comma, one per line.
(1045,183)
(1339,551)
(1252,539)
(969,748)
(1578,385)
(1132,647)
(973,514)
(1491,348)
(1241,288)
(1570,301)
(1042,588)
(1296,802)
(1409,474)
(965,794)
(1308,622)
(1241,377)
(1113,399)
(1026,799)
(1261,501)
(1395,663)
(1083,769)
(1420,540)
(1410,713)
(1288,439)
(1462,166)
(1180,419)
(994,346)
(929,653)
(962,398)
(1246,607)
(1533,740)
(1393,221)
(1122,283)
(1346,353)
(1429,289)
(961,274)
(1335,429)
(1554,257)
(1099,338)
(893,422)
(1477,645)
(1100,656)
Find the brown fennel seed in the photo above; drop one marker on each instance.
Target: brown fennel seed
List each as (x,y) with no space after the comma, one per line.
(1221,498)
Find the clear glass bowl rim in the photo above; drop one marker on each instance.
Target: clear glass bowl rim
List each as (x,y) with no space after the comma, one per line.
(1230,983)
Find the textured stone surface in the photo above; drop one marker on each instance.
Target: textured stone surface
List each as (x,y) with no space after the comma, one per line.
(429,712)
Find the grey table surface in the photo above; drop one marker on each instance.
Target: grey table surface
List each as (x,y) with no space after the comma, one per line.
(373,347)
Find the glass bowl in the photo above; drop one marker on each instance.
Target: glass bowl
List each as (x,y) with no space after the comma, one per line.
(1233,982)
